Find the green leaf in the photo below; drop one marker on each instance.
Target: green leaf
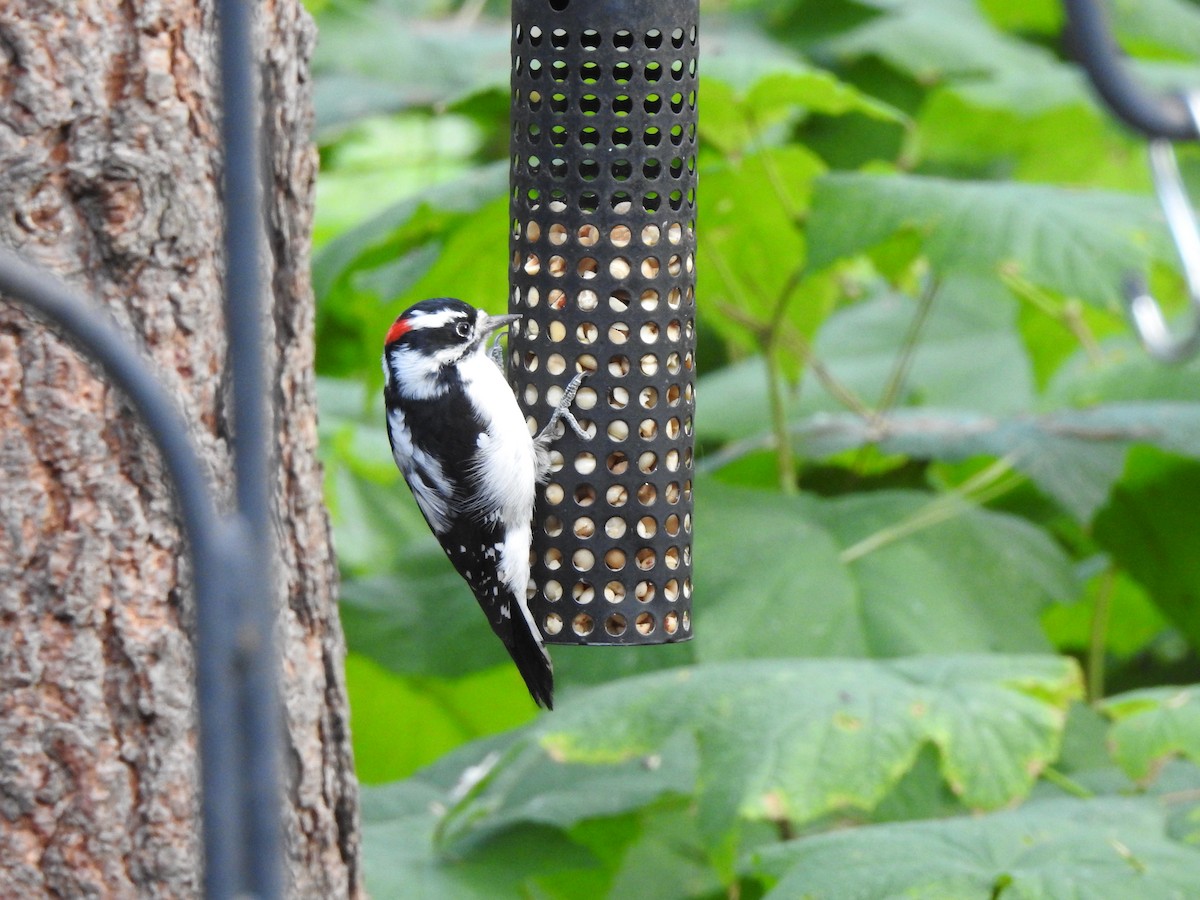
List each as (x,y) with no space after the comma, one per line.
(559,792)
(406,618)
(383,60)
(753,246)
(1149,528)
(933,590)
(1079,243)
(394,230)
(790,740)
(967,353)
(382,160)
(1074,456)
(401,724)
(801,600)
(735,401)
(1098,849)
(1013,127)
(472,263)
(399,861)
(734,118)
(936,589)
(1160,27)
(1133,620)
(1037,16)
(1125,372)
(931,39)
(739,57)
(1151,725)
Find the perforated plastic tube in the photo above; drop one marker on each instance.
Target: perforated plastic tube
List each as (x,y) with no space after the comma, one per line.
(603,191)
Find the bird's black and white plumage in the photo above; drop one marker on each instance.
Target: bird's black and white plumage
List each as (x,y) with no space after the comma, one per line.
(462,444)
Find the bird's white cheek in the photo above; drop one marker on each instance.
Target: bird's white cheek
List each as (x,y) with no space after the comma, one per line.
(415,374)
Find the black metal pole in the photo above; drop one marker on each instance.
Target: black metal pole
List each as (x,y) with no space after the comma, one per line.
(94,333)
(258,723)
(1090,40)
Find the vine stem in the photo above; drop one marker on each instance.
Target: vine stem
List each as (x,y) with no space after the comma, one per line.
(900,370)
(975,491)
(785,460)
(902,365)
(1098,634)
(1068,314)
(1066,783)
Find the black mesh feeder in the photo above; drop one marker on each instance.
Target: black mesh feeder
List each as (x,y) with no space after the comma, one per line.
(603,192)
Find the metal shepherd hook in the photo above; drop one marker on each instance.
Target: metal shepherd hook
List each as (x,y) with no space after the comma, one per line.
(1163,118)
(1148,319)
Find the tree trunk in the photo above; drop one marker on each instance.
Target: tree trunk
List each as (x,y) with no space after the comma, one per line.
(110,165)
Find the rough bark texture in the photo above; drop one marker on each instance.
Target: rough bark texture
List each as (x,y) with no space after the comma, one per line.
(110,165)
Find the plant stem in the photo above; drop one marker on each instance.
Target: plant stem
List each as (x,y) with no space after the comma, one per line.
(839,391)
(1069,314)
(785,460)
(1098,635)
(975,491)
(900,370)
(901,367)
(1066,783)
(797,344)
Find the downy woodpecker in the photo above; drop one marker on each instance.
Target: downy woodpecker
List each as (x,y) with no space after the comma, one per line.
(462,444)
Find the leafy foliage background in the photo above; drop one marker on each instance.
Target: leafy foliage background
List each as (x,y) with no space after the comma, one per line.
(948,598)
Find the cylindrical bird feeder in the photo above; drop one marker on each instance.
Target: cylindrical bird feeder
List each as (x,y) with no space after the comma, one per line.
(603,193)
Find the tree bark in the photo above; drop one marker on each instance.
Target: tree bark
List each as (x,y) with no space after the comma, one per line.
(110,165)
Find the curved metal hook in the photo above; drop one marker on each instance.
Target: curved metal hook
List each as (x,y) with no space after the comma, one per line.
(1148,319)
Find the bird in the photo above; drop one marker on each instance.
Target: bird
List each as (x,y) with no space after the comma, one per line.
(461,442)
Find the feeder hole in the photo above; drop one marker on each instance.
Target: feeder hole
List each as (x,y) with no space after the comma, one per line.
(614,592)
(582,624)
(644,623)
(615,527)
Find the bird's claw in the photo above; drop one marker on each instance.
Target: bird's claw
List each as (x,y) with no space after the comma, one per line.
(563,411)
(497,351)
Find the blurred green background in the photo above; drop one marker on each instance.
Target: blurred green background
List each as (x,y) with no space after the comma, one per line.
(968,499)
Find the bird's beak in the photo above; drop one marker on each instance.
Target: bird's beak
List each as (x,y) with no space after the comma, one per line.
(495,323)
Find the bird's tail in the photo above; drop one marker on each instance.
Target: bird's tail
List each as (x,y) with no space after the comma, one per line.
(533,662)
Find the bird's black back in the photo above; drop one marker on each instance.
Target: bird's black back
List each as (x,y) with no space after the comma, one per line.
(449,430)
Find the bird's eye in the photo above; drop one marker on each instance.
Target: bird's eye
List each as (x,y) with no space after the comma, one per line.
(462,329)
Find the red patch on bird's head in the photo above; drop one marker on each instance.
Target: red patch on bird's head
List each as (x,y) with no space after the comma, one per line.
(399,328)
